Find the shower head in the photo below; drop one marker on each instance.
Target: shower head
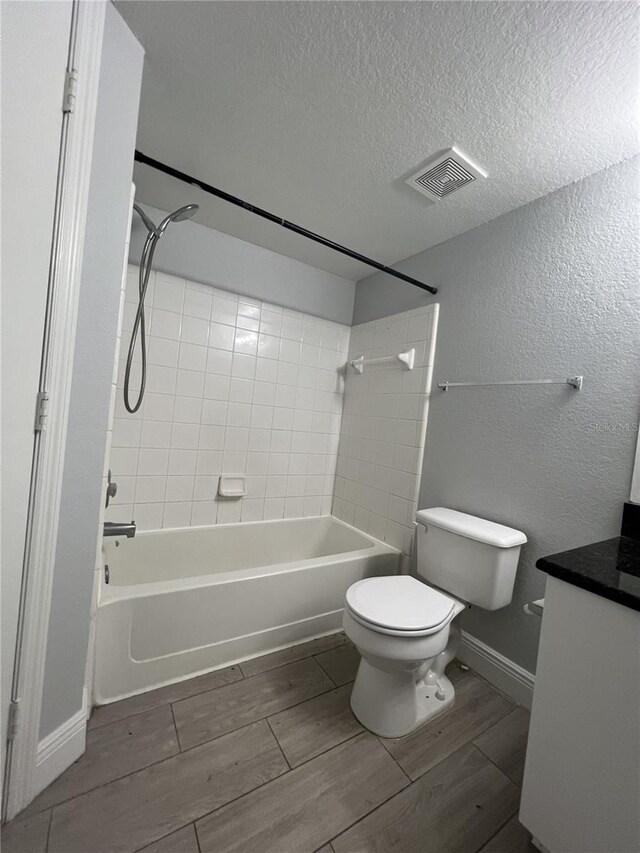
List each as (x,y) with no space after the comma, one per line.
(148,223)
(183,213)
(179,215)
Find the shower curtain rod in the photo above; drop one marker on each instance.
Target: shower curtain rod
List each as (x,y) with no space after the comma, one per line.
(278,220)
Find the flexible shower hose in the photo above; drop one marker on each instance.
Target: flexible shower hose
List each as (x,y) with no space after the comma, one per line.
(139,324)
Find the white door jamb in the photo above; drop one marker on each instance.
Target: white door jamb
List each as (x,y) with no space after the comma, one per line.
(76,150)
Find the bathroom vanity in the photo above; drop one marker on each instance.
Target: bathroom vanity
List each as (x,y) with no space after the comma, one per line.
(581,788)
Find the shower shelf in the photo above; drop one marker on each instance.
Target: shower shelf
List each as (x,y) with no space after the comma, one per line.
(406,359)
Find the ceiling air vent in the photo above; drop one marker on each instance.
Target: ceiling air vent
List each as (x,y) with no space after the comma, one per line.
(445,174)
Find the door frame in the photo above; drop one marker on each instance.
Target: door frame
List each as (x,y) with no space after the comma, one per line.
(22,782)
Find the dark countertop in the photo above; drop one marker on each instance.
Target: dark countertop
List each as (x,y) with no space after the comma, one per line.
(610,569)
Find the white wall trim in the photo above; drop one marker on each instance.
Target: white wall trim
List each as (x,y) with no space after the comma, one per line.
(503,673)
(58,350)
(59,749)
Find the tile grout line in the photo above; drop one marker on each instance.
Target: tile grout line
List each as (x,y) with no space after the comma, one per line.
(414,782)
(500,693)
(326,844)
(188,749)
(360,819)
(200,817)
(162,704)
(470,742)
(145,767)
(108,782)
(235,799)
(259,719)
(275,737)
(335,837)
(502,826)
(329,748)
(195,832)
(325,671)
(279,776)
(466,743)
(52,806)
(168,835)
(295,660)
(253,790)
(381,741)
(175,728)
(488,757)
(46,845)
(486,729)
(328,841)
(492,762)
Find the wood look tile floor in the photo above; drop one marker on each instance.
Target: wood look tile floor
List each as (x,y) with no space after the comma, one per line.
(266,757)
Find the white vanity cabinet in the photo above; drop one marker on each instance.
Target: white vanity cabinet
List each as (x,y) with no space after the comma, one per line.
(581,788)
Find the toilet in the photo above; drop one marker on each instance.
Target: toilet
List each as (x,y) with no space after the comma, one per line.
(404,628)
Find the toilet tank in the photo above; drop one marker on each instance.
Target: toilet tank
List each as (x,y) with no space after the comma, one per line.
(471,558)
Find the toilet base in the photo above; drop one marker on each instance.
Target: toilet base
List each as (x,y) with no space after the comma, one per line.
(394,704)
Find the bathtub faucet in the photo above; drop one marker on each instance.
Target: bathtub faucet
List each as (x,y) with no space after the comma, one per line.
(119,528)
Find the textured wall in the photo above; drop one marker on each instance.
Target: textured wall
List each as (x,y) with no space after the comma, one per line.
(384,425)
(234,386)
(546,291)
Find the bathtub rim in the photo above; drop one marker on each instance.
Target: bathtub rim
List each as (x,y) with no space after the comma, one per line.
(111,593)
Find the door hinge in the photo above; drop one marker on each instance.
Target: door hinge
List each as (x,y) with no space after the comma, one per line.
(70,91)
(13,720)
(42,411)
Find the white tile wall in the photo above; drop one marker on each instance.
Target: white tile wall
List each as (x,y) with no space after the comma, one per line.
(234,386)
(384,427)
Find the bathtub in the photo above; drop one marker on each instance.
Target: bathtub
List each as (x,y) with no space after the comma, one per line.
(183,602)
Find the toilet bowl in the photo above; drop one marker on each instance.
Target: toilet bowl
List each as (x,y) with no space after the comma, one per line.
(403,631)
(404,628)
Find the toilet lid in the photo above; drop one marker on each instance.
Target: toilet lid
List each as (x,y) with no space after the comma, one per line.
(400,603)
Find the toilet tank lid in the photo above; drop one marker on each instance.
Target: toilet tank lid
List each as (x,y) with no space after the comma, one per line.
(471,527)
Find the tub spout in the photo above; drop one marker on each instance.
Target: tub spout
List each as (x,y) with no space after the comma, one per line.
(119,528)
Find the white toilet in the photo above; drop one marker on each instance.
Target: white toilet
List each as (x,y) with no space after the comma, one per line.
(404,629)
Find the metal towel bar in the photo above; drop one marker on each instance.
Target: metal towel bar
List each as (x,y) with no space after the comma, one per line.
(406,359)
(574,381)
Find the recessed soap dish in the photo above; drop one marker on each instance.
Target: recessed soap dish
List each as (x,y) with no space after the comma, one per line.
(232,487)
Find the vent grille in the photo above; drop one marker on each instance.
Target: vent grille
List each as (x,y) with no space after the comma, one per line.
(445,178)
(446,174)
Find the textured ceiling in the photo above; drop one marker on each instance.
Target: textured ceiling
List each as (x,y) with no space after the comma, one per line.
(319,110)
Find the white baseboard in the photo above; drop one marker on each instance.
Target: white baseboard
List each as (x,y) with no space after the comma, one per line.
(503,673)
(59,750)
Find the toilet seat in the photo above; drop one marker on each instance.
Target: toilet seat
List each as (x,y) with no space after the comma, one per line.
(399,605)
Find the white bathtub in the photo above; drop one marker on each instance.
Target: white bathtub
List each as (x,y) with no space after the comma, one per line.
(183,602)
